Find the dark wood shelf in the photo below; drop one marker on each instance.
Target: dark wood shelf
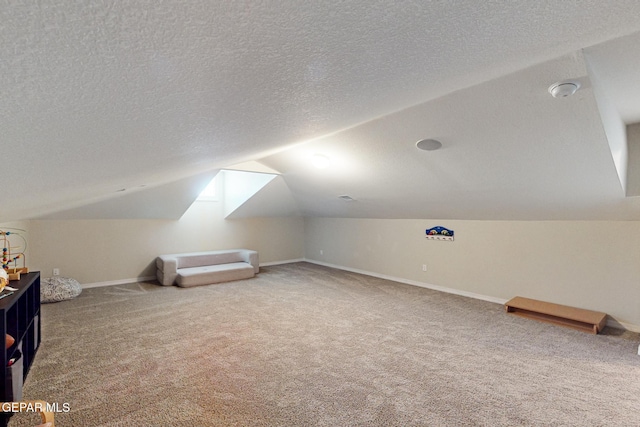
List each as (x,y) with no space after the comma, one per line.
(20,318)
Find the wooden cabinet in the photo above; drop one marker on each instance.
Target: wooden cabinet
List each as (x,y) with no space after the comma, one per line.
(20,318)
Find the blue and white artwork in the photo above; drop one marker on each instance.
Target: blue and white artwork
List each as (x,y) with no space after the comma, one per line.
(439,233)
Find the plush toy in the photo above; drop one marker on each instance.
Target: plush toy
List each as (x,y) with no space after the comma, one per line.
(9,340)
(4,279)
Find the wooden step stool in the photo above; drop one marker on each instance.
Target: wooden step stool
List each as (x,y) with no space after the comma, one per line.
(571,317)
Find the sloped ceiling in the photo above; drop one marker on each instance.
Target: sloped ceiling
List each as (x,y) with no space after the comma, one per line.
(274,200)
(167,201)
(100,96)
(548,158)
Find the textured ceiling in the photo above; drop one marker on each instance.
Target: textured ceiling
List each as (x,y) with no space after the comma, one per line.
(548,158)
(100,96)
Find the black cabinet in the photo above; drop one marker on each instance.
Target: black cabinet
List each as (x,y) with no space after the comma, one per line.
(20,318)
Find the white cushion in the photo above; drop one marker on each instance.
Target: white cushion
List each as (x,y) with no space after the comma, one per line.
(207,275)
(54,289)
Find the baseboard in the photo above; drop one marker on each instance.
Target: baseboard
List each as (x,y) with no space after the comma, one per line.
(288,261)
(117,282)
(147,278)
(413,282)
(611,322)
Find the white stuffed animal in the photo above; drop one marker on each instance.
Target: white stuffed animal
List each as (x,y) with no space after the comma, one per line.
(4,279)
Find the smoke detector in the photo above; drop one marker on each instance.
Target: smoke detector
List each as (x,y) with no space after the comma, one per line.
(564,89)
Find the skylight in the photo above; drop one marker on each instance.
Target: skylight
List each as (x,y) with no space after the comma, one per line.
(210,193)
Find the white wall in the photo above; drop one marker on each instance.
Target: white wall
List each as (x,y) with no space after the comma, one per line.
(94,251)
(590,264)
(633,166)
(593,265)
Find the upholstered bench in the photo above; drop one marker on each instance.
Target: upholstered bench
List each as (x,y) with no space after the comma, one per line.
(205,268)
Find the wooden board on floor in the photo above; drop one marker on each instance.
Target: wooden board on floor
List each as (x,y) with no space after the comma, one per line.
(572,317)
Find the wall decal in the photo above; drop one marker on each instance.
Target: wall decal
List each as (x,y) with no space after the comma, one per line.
(439,233)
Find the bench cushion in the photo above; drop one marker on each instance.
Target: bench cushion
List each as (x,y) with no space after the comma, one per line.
(213,258)
(209,274)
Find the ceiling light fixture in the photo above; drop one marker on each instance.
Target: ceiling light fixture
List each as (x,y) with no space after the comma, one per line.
(320,161)
(564,89)
(428,144)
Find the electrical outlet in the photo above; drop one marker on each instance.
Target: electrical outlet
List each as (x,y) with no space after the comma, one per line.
(321,252)
(424,267)
(56,271)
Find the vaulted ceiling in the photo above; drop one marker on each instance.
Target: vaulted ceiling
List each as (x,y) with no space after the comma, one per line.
(153,98)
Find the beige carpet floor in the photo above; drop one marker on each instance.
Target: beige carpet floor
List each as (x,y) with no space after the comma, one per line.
(305,345)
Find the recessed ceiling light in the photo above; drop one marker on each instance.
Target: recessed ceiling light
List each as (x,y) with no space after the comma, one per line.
(320,161)
(346,198)
(428,144)
(564,89)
